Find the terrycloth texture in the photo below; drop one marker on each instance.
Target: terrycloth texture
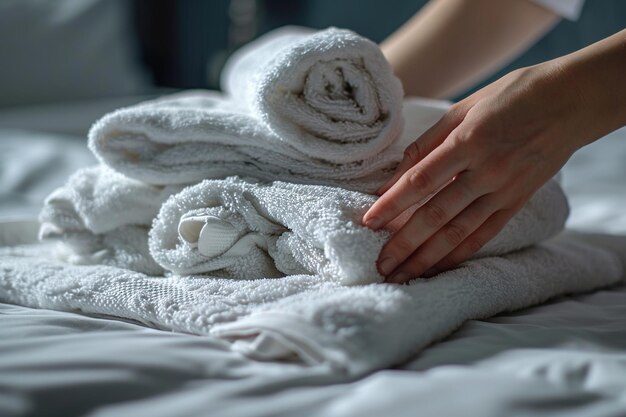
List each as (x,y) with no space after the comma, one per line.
(331,94)
(100,200)
(89,214)
(125,247)
(100,216)
(355,329)
(257,228)
(311,107)
(243,229)
(247,229)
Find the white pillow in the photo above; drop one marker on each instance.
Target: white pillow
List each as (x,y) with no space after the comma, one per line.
(67,49)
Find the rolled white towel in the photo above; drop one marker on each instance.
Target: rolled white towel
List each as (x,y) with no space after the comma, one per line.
(246,229)
(312,107)
(331,94)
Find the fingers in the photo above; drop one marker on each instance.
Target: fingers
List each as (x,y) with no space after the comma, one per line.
(414,153)
(423,146)
(445,240)
(427,220)
(475,241)
(432,173)
(441,252)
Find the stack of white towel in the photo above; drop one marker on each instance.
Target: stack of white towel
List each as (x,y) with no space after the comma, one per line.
(243,229)
(270,180)
(300,106)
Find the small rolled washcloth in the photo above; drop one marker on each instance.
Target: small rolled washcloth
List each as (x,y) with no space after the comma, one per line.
(311,107)
(102,217)
(246,229)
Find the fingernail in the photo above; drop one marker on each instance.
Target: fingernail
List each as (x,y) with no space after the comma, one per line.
(400,277)
(374,222)
(386,265)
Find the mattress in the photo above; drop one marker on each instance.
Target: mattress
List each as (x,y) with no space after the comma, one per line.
(567,357)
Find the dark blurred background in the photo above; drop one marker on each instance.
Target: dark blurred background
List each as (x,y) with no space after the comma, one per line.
(78,49)
(185,42)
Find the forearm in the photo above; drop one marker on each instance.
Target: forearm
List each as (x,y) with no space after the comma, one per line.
(597,74)
(452,44)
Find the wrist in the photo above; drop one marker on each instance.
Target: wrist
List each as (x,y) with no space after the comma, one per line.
(572,91)
(593,77)
(562,101)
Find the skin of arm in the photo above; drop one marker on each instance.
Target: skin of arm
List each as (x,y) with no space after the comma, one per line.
(501,144)
(449,45)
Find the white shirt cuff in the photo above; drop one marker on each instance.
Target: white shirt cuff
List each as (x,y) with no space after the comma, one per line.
(569,9)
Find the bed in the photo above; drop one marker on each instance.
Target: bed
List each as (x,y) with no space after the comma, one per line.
(567,357)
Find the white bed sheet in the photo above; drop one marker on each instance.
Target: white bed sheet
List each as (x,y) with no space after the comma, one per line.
(567,357)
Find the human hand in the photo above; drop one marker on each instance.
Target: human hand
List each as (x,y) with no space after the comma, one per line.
(499,145)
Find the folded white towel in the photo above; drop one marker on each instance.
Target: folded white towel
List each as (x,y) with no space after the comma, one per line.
(99,199)
(100,216)
(125,247)
(317,108)
(348,328)
(246,229)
